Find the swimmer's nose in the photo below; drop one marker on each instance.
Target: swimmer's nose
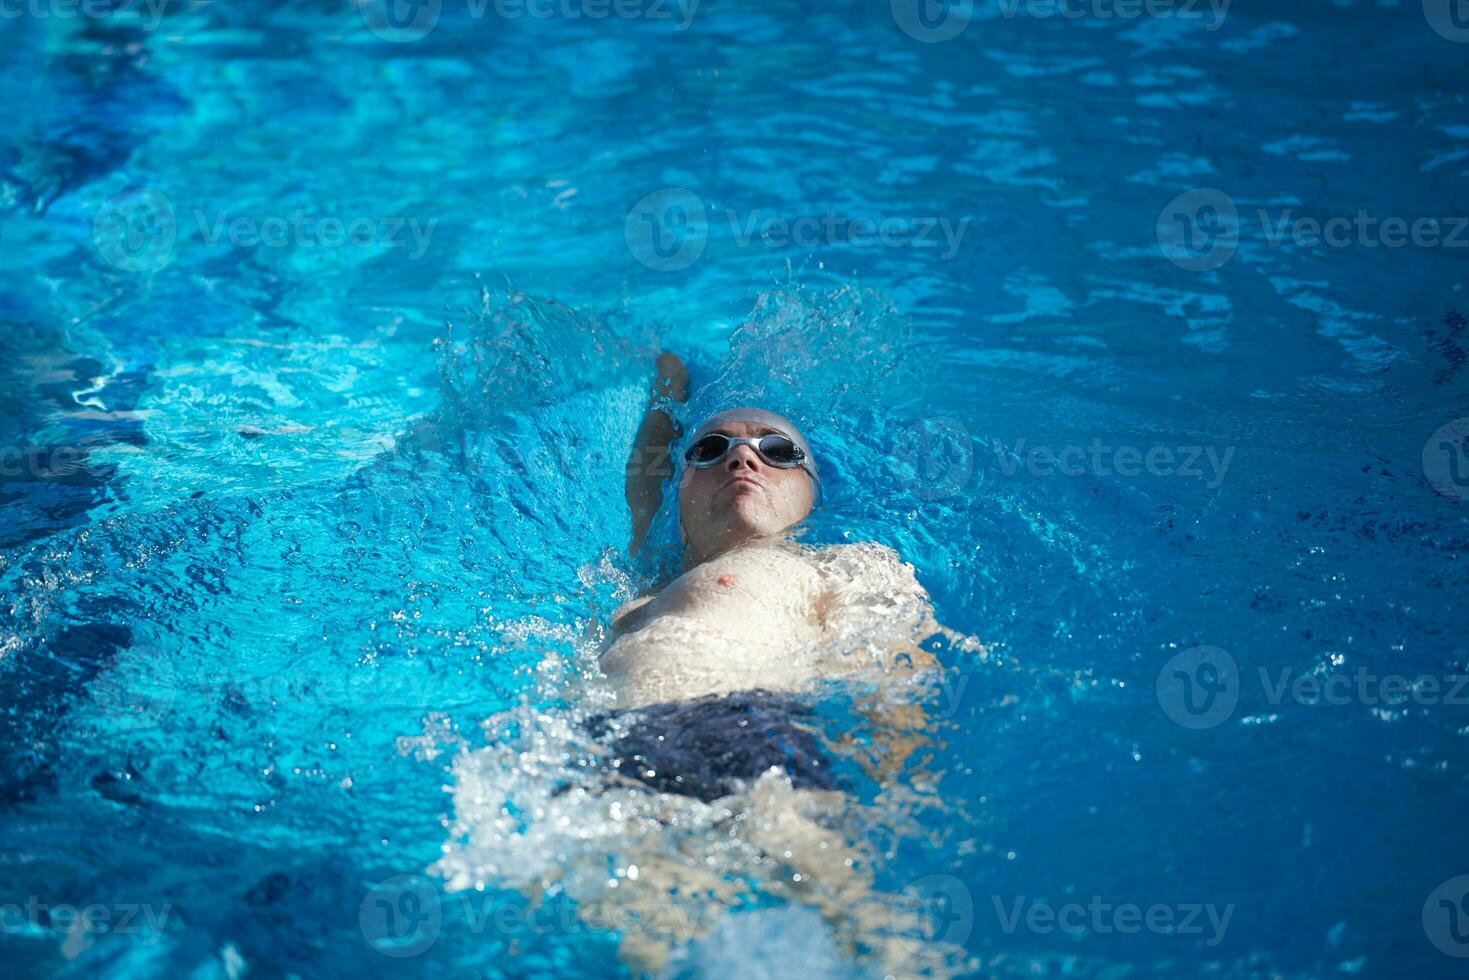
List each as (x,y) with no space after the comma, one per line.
(742,458)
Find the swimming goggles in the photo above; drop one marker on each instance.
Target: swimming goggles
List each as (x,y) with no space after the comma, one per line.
(777,450)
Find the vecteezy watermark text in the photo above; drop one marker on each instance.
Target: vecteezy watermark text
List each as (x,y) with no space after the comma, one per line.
(1207,463)
(832,228)
(120,918)
(402,21)
(146,14)
(1213,10)
(48,462)
(138,230)
(402,916)
(1200,687)
(935,21)
(668,230)
(1201,230)
(298,229)
(1104,918)
(936,459)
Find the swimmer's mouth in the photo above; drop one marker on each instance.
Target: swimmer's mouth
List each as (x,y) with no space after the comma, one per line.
(745,479)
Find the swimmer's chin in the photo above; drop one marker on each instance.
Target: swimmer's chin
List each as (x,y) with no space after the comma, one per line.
(752,510)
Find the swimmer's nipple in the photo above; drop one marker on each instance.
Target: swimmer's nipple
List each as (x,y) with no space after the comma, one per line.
(727,581)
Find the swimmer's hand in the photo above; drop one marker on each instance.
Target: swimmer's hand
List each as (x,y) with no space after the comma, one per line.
(673,378)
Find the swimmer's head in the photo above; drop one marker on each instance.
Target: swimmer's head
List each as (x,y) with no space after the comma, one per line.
(732,491)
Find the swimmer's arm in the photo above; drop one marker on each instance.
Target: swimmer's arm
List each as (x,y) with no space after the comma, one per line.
(650,465)
(868,585)
(899,730)
(623,617)
(886,587)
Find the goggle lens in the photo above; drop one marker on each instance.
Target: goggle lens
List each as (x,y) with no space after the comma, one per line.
(775,449)
(780,451)
(708,449)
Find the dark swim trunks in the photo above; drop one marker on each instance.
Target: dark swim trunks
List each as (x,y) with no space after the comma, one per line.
(712,746)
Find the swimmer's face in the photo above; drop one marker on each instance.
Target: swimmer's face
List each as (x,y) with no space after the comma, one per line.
(742,496)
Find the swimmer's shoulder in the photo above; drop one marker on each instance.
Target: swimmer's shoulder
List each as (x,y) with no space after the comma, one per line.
(866,563)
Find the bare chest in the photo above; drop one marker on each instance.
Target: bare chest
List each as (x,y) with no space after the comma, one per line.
(761,588)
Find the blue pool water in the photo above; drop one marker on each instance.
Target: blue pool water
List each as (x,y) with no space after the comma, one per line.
(290,508)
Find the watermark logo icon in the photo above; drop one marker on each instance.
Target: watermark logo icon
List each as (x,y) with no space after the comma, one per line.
(940,907)
(1449,18)
(400,21)
(1446,917)
(667,230)
(1446,459)
(939,456)
(1199,687)
(136,230)
(933,21)
(1199,230)
(401,916)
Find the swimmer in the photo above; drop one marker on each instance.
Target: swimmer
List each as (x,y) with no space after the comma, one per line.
(752,607)
(714,672)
